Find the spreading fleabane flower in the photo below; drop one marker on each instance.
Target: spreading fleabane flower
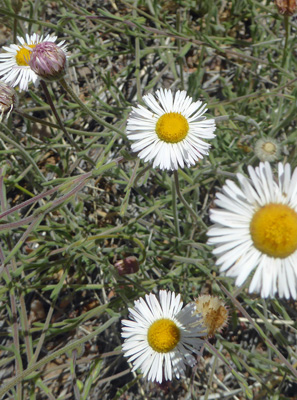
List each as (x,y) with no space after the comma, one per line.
(8,99)
(161,336)
(48,61)
(171,132)
(14,63)
(256,229)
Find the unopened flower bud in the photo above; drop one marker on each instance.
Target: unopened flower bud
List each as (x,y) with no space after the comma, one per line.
(267,149)
(214,313)
(128,265)
(48,61)
(286,7)
(8,99)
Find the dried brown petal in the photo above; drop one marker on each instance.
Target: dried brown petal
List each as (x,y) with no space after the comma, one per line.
(8,99)
(213,311)
(286,7)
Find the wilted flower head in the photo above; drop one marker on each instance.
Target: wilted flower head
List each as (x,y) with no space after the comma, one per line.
(48,61)
(286,7)
(8,99)
(214,313)
(128,265)
(267,149)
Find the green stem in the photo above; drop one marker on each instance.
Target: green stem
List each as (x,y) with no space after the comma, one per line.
(285,50)
(73,373)
(174,209)
(40,196)
(179,47)
(22,240)
(210,379)
(15,27)
(267,341)
(53,108)
(42,337)
(112,236)
(137,59)
(21,150)
(51,125)
(87,109)
(282,77)
(141,173)
(15,331)
(56,354)
(181,197)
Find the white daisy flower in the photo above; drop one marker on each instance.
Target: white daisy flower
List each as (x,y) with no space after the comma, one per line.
(171,132)
(160,337)
(256,229)
(14,64)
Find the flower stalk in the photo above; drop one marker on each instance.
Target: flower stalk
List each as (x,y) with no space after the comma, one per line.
(55,112)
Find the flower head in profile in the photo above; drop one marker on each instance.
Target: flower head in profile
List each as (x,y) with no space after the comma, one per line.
(171,131)
(267,149)
(161,336)
(214,313)
(8,99)
(14,63)
(48,61)
(255,229)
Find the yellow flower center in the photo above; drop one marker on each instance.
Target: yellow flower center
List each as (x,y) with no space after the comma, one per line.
(172,127)
(269,148)
(274,230)
(23,55)
(163,335)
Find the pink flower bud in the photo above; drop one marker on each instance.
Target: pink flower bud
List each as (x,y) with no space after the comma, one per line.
(128,265)
(8,99)
(48,61)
